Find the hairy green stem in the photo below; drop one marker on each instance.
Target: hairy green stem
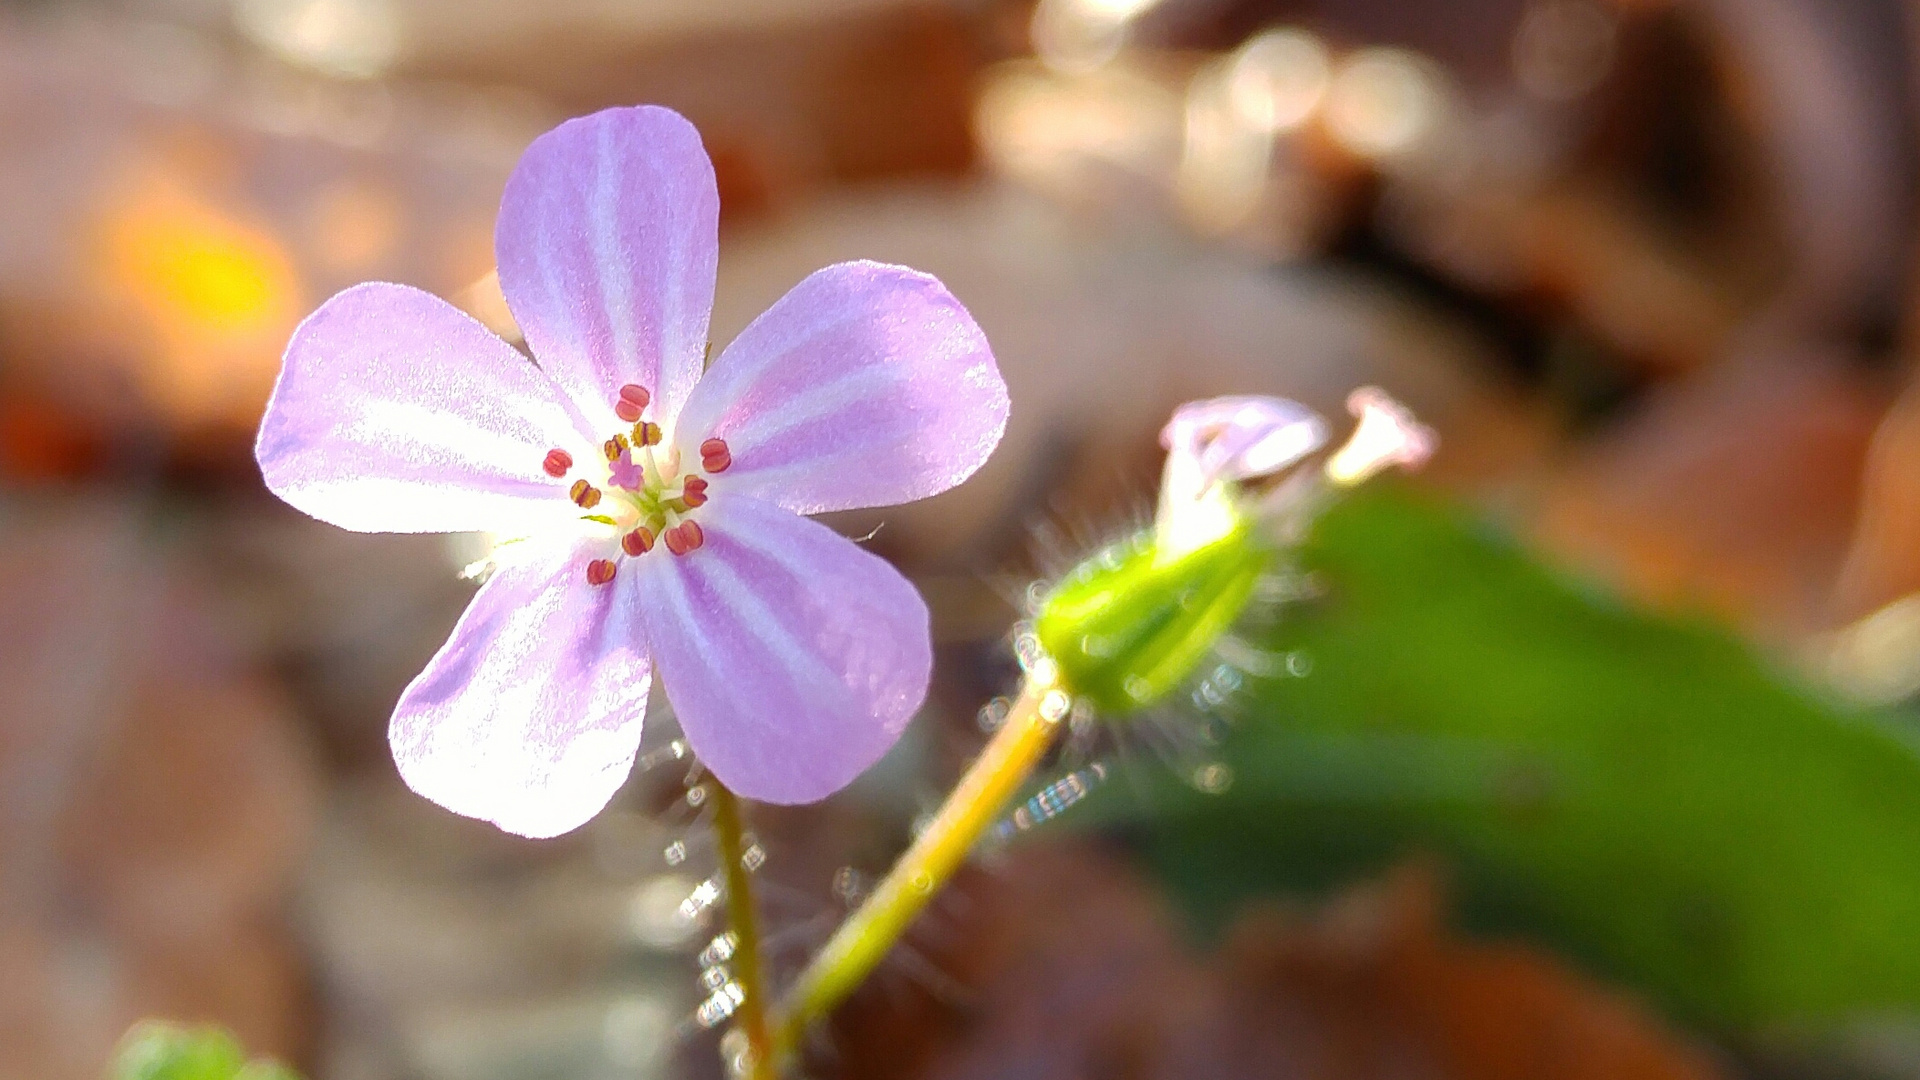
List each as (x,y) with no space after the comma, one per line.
(751,1017)
(864,938)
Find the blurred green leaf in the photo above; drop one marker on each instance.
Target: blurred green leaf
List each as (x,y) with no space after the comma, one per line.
(161,1051)
(1645,794)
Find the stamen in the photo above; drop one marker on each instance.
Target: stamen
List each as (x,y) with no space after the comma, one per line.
(647,433)
(557,463)
(633,398)
(584,495)
(600,571)
(693,491)
(637,542)
(614,446)
(684,537)
(714,455)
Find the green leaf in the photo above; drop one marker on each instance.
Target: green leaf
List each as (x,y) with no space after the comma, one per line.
(161,1051)
(1644,793)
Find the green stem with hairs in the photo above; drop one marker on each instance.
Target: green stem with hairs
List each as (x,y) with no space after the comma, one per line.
(864,938)
(751,1018)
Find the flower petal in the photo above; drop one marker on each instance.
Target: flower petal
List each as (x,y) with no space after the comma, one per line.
(529,716)
(607,242)
(793,658)
(866,385)
(395,412)
(1234,438)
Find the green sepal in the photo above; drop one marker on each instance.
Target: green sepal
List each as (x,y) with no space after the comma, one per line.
(1127,627)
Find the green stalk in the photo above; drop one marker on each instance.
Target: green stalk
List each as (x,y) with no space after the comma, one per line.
(751,1018)
(860,943)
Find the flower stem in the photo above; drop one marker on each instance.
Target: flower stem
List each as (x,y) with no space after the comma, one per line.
(751,1018)
(860,942)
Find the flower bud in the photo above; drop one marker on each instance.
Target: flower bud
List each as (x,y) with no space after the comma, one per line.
(1128,627)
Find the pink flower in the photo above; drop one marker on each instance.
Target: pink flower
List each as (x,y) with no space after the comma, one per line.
(661,508)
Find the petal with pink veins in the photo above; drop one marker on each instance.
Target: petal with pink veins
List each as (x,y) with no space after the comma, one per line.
(866,385)
(793,657)
(529,716)
(396,412)
(607,242)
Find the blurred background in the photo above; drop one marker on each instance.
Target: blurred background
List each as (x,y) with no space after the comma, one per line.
(1592,754)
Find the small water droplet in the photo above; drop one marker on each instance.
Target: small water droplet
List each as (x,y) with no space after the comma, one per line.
(1044,671)
(1026,647)
(1213,778)
(1136,687)
(673,751)
(1227,678)
(1036,596)
(922,882)
(753,858)
(1054,706)
(737,1052)
(848,885)
(993,714)
(696,795)
(675,854)
(719,950)
(1299,664)
(715,977)
(719,1005)
(702,898)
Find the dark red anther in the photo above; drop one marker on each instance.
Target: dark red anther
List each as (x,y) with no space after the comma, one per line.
(647,433)
(584,495)
(600,571)
(557,463)
(633,398)
(693,491)
(714,455)
(637,542)
(613,447)
(684,537)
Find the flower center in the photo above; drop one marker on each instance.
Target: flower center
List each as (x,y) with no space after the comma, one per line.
(648,497)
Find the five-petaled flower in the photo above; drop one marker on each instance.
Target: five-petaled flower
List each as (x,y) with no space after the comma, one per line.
(661,508)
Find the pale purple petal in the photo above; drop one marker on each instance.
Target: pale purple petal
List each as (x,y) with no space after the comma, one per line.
(793,657)
(607,241)
(1234,438)
(529,716)
(395,412)
(866,385)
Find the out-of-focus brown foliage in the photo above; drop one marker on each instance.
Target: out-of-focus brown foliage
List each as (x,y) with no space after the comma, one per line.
(157,797)
(1884,562)
(1072,966)
(1735,493)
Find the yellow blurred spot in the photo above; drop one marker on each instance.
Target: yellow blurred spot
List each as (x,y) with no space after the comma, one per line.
(217,296)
